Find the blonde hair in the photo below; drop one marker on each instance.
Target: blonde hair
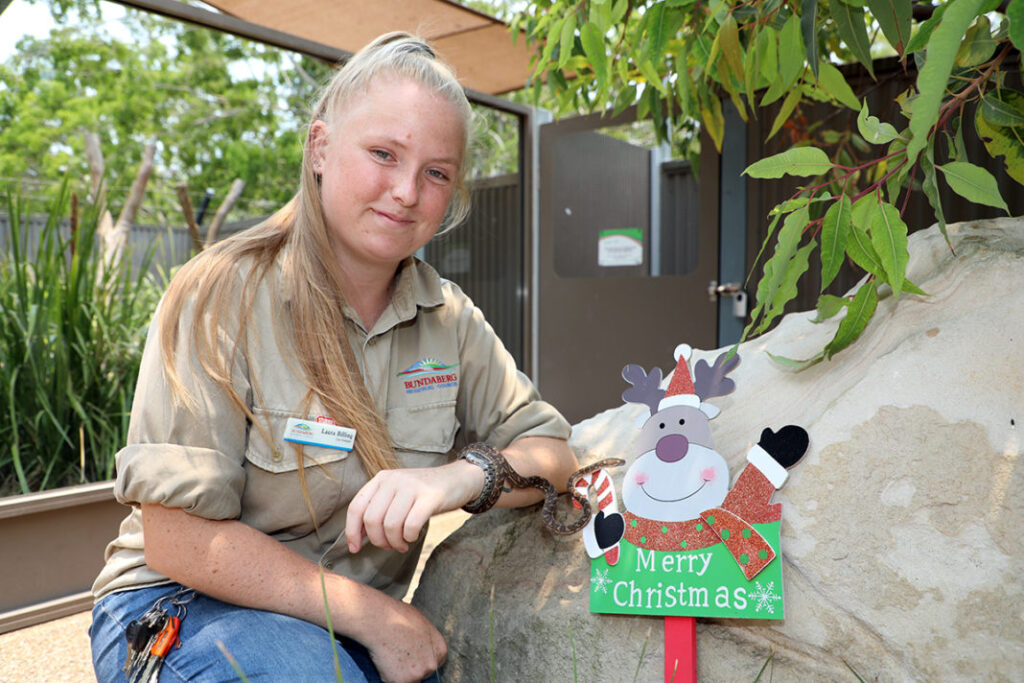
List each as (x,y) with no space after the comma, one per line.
(310,277)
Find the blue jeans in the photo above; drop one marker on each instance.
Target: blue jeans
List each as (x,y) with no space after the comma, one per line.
(266,646)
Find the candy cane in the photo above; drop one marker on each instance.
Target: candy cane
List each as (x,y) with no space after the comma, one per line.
(604,490)
(603,487)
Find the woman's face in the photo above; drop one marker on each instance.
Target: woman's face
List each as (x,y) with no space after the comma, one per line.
(388,166)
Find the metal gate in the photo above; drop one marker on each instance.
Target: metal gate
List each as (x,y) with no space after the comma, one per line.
(623,264)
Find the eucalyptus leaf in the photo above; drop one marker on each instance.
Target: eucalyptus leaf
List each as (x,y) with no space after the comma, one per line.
(600,14)
(1004,141)
(653,26)
(809,32)
(973,183)
(829,306)
(858,244)
(798,161)
(787,289)
(593,46)
(768,53)
(873,130)
(832,81)
(931,80)
(788,105)
(714,121)
(791,51)
(552,39)
(835,233)
(930,187)
(858,315)
(889,238)
(776,267)
(776,89)
(910,288)
(924,30)
(566,39)
(978,45)
(1004,108)
(797,364)
(619,10)
(853,30)
(894,18)
(729,43)
(789,206)
(1015,14)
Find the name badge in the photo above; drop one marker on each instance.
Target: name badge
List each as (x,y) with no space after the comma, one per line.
(323,434)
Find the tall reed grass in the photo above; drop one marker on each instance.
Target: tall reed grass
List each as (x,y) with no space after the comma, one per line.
(71,337)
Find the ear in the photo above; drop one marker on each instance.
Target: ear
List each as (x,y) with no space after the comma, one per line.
(319,137)
(710,410)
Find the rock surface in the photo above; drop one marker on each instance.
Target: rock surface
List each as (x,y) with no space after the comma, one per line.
(901,529)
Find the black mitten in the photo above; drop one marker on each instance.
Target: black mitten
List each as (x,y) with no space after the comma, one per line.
(786,446)
(608,529)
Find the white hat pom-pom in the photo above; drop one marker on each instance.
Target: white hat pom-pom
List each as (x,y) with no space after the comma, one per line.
(684,350)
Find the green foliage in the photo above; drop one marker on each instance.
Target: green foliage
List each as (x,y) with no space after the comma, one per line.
(219,108)
(677,59)
(70,347)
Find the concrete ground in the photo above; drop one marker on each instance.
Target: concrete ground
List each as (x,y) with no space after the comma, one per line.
(58,651)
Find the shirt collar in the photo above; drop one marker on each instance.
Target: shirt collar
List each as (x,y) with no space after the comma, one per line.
(417,285)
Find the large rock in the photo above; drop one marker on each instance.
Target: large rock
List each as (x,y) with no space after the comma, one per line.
(901,531)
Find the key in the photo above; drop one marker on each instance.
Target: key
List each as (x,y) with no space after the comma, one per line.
(140,634)
(162,644)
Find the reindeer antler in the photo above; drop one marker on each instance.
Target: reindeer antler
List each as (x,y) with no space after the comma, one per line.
(711,381)
(645,386)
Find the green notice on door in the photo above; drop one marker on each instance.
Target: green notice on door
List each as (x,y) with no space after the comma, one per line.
(707,582)
(620,247)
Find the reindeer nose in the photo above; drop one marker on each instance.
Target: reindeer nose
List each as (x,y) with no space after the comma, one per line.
(672,447)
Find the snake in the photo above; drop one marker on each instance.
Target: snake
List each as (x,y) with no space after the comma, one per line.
(515,480)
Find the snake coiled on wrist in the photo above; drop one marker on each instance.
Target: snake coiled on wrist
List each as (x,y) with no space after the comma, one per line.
(511,479)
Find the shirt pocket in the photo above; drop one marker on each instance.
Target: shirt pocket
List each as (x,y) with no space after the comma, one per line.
(425,428)
(277,455)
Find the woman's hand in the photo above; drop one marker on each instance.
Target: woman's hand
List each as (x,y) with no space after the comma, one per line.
(405,646)
(393,507)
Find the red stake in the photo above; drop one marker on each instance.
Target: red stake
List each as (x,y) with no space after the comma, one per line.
(680,650)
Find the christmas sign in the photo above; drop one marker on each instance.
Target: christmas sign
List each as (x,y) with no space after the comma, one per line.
(685,543)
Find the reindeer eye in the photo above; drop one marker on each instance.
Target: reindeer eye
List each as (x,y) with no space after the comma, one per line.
(682,421)
(661,425)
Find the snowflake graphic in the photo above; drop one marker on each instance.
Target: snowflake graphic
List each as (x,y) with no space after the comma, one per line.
(600,580)
(764,596)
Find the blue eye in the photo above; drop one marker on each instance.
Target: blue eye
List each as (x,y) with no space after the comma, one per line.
(382,154)
(440,175)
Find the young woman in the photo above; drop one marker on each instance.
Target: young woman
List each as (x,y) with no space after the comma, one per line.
(267,352)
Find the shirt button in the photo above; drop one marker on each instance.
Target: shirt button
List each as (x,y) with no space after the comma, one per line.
(328,564)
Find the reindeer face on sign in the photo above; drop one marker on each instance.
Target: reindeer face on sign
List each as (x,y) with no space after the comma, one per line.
(677,473)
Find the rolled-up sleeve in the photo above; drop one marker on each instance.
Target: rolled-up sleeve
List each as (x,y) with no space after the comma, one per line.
(185,454)
(497,402)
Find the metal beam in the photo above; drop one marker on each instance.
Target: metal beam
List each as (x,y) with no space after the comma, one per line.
(245,29)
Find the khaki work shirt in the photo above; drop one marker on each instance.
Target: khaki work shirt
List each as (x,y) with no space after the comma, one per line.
(434,368)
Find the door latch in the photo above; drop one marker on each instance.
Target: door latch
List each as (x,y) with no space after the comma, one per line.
(733,290)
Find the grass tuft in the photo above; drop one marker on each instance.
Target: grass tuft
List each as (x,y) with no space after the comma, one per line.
(70,346)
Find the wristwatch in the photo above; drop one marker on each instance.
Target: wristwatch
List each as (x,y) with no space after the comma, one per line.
(487,458)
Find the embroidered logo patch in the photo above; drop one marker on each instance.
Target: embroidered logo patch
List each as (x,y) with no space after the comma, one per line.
(428,374)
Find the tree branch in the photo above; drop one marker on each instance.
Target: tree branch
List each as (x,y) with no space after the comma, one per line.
(222,211)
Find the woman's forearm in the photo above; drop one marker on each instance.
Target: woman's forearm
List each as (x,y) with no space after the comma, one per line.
(235,563)
(538,456)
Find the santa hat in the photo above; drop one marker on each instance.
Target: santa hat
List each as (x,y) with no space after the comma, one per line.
(680,390)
